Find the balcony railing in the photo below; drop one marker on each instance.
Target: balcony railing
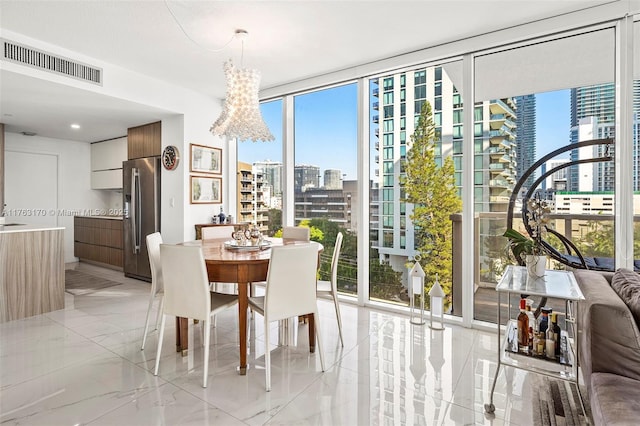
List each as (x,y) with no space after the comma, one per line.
(489,244)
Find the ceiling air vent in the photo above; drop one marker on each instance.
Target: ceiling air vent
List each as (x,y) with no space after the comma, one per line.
(39,59)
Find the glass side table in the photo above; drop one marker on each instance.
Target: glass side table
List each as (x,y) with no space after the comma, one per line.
(555,284)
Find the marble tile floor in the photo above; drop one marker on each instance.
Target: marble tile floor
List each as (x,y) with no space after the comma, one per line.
(83,366)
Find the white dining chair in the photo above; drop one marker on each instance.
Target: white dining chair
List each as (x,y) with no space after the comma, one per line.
(331,287)
(187,295)
(290,291)
(218,232)
(214,232)
(157,291)
(292,233)
(297,233)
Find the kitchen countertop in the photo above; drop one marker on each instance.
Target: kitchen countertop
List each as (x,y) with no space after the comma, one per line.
(103,217)
(9,228)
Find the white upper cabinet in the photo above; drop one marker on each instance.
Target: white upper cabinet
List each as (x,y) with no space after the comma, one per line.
(106,163)
(108,155)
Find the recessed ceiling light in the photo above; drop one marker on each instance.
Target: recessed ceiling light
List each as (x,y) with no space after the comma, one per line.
(75,126)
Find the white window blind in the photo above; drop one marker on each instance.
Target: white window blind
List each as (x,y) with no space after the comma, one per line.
(454,72)
(636,50)
(574,61)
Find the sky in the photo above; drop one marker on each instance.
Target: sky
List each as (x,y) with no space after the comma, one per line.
(325,129)
(553,115)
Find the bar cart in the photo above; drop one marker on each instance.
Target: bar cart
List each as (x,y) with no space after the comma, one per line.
(554,284)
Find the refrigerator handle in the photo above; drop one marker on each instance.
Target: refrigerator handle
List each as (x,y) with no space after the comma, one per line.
(135,213)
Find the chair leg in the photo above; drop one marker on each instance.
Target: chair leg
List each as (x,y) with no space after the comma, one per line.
(160,337)
(202,334)
(146,323)
(316,321)
(160,310)
(267,356)
(335,303)
(207,337)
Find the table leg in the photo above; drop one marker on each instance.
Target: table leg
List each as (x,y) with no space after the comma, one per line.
(312,332)
(243,304)
(182,335)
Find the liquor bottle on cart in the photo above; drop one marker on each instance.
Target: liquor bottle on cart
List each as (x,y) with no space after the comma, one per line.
(523,328)
(556,334)
(550,343)
(543,321)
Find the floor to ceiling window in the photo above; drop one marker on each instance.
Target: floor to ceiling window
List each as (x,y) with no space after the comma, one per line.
(415,192)
(530,101)
(635,132)
(260,184)
(325,180)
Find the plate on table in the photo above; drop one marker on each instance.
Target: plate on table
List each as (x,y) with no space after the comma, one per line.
(233,245)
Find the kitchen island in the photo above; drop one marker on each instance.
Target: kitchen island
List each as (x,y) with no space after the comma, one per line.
(31,270)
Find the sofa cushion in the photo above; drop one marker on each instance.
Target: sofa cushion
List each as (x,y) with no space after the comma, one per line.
(609,336)
(627,284)
(615,400)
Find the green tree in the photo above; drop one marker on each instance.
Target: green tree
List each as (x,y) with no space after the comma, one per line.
(598,240)
(275,221)
(432,191)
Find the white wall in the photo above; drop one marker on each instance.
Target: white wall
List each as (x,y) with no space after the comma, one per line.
(188,117)
(73,181)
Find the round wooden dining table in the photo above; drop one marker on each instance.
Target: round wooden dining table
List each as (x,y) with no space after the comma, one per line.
(243,266)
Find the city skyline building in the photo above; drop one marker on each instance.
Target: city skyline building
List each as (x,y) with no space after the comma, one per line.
(251,206)
(305,177)
(526,147)
(396,102)
(592,117)
(272,172)
(558,180)
(332,179)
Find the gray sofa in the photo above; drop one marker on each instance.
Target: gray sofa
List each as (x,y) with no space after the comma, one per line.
(610,344)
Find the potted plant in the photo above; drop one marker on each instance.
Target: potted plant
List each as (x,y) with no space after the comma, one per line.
(530,250)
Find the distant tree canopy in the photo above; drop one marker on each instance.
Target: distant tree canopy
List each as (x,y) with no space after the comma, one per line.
(316,234)
(432,191)
(275,221)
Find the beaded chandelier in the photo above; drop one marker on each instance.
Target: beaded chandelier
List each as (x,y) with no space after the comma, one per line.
(241,117)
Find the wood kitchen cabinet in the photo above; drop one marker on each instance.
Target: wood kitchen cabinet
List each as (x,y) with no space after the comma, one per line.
(98,240)
(144,141)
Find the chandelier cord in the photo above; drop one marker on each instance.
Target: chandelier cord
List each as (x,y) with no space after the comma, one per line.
(242,53)
(166,2)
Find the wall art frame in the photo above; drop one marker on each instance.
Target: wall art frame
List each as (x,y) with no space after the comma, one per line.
(205,159)
(205,189)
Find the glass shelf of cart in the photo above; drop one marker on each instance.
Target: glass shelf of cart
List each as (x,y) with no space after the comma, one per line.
(556,284)
(564,370)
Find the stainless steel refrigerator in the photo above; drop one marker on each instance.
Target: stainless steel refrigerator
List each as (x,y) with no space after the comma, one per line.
(141,202)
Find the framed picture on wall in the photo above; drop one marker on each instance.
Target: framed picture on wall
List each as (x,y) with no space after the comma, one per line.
(206,159)
(206,190)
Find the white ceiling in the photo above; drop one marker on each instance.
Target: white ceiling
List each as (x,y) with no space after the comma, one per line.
(288,41)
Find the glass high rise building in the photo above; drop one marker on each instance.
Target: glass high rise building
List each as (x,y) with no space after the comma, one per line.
(526,136)
(396,102)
